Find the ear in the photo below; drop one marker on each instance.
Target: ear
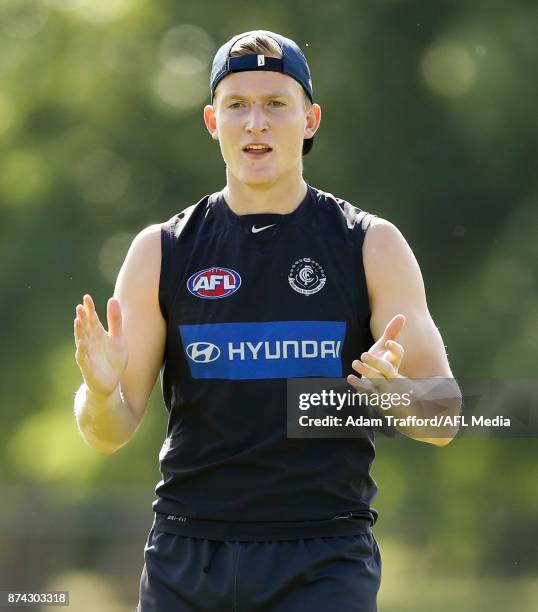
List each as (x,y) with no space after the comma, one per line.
(313,118)
(211,121)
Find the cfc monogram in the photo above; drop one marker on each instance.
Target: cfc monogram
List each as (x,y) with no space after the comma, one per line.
(307,276)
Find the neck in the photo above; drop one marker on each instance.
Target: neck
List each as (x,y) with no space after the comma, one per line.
(281,197)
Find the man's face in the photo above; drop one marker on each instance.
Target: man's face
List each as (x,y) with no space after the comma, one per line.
(260,108)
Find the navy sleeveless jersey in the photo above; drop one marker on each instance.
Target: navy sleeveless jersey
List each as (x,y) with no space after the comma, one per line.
(250,301)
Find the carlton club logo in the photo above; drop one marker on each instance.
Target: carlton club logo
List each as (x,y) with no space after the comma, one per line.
(214,283)
(307,276)
(203,352)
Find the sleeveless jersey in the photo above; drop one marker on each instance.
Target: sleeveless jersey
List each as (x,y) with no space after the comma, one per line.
(250,301)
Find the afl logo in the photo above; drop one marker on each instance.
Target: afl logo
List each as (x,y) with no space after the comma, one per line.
(307,276)
(203,352)
(214,283)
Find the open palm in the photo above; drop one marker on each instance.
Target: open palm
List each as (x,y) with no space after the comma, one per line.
(101,355)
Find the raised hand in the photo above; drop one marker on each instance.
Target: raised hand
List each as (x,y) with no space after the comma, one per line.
(383,359)
(100,355)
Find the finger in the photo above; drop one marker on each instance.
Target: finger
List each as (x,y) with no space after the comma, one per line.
(396,351)
(366,370)
(384,366)
(82,318)
(93,317)
(79,330)
(81,312)
(363,384)
(394,327)
(114,318)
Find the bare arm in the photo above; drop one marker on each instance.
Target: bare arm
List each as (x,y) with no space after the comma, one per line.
(120,366)
(396,288)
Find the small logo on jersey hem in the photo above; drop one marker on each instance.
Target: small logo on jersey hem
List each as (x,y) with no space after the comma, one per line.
(214,283)
(179,519)
(307,276)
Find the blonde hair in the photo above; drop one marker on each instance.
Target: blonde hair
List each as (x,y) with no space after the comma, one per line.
(258,43)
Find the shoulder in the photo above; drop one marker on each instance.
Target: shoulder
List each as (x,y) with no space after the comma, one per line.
(380,234)
(148,239)
(350,215)
(192,216)
(383,236)
(143,260)
(176,224)
(389,261)
(146,248)
(148,245)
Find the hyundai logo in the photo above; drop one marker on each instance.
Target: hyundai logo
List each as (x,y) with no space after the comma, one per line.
(203,352)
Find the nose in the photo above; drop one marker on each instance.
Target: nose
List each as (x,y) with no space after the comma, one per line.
(256,120)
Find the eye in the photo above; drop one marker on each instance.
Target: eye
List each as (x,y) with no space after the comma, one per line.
(277,103)
(236,105)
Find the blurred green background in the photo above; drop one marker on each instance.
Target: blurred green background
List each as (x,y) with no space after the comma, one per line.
(429,120)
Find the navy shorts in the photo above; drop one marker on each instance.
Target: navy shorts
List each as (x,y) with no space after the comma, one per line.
(317,574)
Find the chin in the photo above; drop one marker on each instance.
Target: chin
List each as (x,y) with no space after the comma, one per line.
(257,179)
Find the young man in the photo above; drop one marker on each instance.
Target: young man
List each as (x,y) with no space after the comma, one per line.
(267,280)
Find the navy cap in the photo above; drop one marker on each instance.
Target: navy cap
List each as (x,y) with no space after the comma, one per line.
(293,63)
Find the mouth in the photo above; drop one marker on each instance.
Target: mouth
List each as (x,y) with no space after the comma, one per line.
(257,151)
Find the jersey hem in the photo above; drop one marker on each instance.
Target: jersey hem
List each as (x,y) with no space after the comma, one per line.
(259,531)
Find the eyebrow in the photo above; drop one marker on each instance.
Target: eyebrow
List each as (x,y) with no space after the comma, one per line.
(277,94)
